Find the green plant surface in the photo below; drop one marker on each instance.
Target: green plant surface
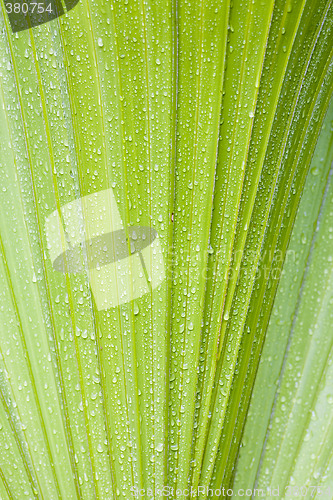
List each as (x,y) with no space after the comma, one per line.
(202,28)
(294,411)
(199,119)
(248,32)
(268,202)
(95,139)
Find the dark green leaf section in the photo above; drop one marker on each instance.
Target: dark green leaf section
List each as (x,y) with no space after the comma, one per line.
(266,215)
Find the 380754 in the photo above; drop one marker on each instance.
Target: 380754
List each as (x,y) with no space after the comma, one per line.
(25,8)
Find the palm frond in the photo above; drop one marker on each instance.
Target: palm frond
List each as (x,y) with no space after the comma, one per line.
(154,158)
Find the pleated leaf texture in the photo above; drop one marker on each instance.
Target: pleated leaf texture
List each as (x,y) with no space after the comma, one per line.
(166,239)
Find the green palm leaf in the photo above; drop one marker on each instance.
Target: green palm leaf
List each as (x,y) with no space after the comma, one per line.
(154,157)
(300,327)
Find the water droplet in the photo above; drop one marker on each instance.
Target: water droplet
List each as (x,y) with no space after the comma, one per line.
(159,447)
